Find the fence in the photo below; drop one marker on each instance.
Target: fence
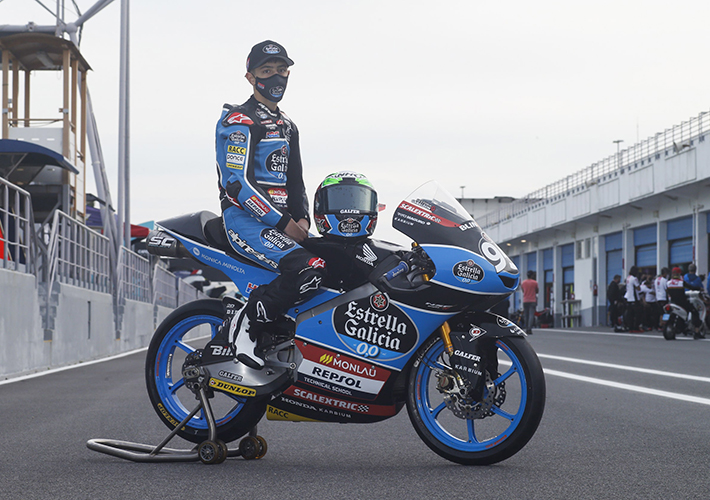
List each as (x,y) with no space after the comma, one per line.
(72,253)
(668,142)
(134,282)
(78,255)
(17,249)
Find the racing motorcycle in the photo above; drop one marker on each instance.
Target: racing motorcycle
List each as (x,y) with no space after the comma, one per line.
(676,320)
(390,327)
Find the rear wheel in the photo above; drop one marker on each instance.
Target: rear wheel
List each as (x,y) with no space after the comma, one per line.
(669,330)
(503,422)
(185,330)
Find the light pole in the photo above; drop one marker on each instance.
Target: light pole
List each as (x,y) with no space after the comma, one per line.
(618,158)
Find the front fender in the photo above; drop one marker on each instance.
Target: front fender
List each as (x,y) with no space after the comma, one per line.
(484,325)
(473,337)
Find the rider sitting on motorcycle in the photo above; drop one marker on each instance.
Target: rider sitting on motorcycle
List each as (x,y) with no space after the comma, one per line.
(263,198)
(692,281)
(676,294)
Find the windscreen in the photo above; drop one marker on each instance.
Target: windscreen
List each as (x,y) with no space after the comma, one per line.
(430,215)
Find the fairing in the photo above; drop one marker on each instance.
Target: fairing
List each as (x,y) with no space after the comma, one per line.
(466,259)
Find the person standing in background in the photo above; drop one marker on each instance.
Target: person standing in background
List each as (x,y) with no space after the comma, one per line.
(530,291)
(633,313)
(661,286)
(613,295)
(648,292)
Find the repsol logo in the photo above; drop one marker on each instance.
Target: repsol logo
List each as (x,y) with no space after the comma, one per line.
(335,377)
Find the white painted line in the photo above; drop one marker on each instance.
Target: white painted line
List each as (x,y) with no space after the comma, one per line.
(628,387)
(70,367)
(627,368)
(657,336)
(610,334)
(83,363)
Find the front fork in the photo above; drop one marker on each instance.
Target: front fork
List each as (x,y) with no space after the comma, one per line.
(444,331)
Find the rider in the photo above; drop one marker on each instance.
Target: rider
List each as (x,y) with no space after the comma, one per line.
(692,281)
(263,198)
(676,294)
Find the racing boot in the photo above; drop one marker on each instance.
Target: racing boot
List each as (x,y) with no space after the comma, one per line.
(243,336)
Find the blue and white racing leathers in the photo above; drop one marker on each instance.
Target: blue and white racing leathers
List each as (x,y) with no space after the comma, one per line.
(261,190)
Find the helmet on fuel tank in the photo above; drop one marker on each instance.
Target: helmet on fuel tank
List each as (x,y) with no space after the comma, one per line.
(345,206)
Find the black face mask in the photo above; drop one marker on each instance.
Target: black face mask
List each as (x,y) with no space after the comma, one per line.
(272,88)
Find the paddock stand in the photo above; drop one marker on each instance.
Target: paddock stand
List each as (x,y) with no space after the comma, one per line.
(211,451)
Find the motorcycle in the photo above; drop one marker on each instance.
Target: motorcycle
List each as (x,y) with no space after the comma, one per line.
(389,327)
(676,320)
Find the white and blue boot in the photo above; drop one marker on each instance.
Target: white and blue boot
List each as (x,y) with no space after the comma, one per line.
(245,347)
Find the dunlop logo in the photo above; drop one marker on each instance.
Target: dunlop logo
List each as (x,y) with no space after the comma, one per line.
(232,388)
(326,359)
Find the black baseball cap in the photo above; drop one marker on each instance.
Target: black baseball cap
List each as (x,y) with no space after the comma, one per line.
(268,49)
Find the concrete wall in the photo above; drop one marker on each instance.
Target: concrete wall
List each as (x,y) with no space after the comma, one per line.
(84,326)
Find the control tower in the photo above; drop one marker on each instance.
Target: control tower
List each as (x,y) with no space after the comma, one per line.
(44,155)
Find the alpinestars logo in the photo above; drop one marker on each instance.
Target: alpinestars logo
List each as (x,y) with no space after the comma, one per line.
(245,246)
(368,256)
(314,284)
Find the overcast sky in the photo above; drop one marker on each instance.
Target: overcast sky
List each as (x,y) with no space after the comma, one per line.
(502,97)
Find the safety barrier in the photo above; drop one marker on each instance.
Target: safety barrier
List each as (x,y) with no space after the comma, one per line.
(78,255)
(67,251)
(669,142)
(17,249)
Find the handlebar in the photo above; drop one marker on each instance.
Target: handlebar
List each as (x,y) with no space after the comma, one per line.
(402,267)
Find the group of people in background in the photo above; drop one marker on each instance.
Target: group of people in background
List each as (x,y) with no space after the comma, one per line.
(637,304)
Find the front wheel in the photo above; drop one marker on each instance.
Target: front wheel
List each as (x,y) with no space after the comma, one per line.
(184,331)
(503,422)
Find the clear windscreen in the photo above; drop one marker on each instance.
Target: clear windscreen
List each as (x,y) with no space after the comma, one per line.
(430,215)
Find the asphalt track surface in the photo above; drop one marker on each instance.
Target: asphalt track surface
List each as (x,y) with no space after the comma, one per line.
(626,417)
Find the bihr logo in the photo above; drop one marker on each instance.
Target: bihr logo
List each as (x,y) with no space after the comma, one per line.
(468,271)
(374,327)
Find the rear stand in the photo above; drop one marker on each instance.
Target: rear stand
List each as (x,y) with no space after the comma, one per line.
(211,451)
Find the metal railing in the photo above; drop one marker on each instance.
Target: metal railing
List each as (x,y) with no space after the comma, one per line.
(134,281)
(78,255)
(165,291)
(17,248)
(666,143)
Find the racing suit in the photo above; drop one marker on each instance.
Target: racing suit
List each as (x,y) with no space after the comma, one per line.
(261,190)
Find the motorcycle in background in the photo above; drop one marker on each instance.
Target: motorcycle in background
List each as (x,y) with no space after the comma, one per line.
(677,321)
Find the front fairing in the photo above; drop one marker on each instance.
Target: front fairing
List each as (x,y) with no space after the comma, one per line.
(466,259)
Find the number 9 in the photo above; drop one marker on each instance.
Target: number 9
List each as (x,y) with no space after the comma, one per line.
(494,255)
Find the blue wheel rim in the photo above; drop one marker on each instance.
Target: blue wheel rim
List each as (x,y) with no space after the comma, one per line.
(430,414)
(168,388)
